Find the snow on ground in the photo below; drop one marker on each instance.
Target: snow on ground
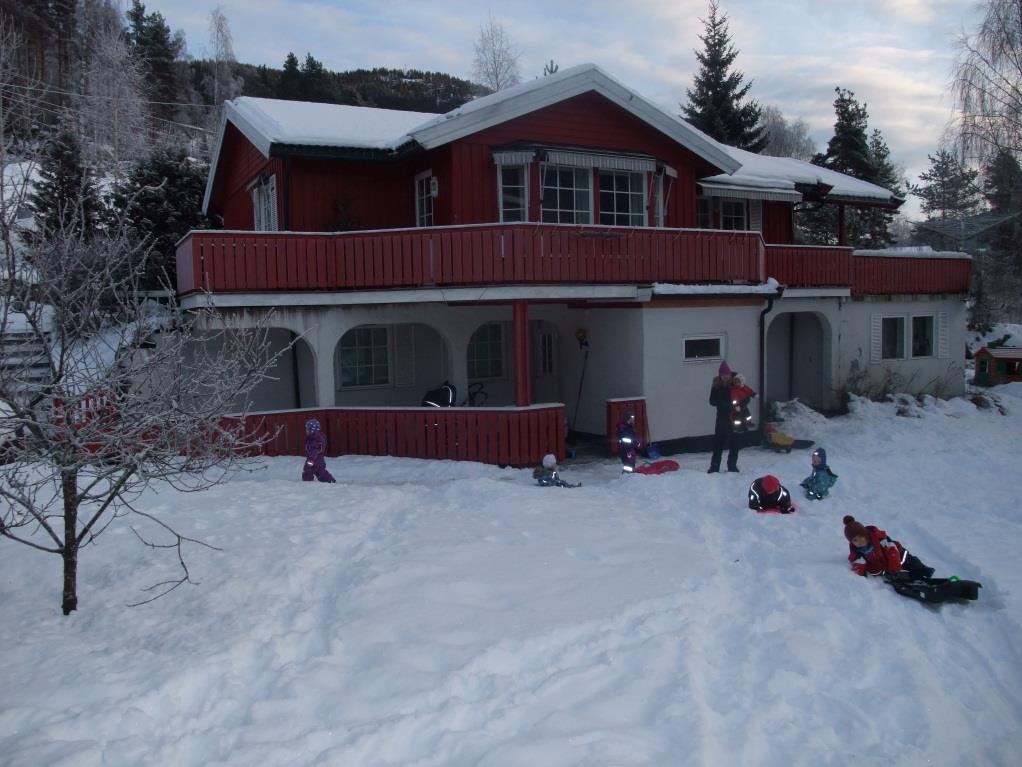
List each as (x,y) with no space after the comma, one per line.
(437,613)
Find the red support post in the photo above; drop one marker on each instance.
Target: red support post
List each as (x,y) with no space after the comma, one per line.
(521,333)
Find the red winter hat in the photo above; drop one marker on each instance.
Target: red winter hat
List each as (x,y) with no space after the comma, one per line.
(853,528)
(771,484)
(724,369)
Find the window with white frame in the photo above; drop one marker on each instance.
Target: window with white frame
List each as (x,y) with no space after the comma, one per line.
(732,215)
(892,338)
(485,356)
(622,198)
(513,192)
(705,212)
(364,357)
(567,195)
(424,185)
(704,348)
(922,335)
(264,204)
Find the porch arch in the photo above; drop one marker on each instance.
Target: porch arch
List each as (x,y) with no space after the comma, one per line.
(798,352)
(388,365)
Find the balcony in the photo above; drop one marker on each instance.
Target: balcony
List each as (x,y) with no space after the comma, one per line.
(523,254)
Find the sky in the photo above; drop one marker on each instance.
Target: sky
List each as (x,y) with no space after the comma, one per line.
(448,614)
(895,55)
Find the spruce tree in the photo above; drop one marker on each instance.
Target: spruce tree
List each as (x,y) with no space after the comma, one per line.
(65,200)
(290,85)
(949,188)
(156,49)
(715,102)
(1002,261)
(852,150)
(315,83)
(160,202)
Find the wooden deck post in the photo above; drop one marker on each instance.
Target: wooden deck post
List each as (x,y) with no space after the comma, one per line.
(521,346)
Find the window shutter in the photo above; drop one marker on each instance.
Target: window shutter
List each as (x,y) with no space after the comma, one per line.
(271,204)
(942,333)
(756,215)
(875,337)
(404,355)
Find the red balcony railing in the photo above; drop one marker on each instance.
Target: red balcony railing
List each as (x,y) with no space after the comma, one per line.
(813,266)
(809,266)
(464,255)
(502,254)
(506,436)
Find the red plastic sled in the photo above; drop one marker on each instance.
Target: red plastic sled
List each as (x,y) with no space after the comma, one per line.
(658,467)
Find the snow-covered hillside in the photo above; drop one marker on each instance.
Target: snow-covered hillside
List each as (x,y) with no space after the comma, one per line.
(439,613)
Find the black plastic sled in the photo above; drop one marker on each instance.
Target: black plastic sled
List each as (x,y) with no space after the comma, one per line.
(935,590)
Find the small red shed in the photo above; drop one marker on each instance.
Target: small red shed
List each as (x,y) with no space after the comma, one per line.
(999,365)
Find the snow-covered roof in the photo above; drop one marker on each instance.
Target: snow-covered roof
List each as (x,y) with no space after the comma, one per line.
(266,122)
(1002,352)
(781,174)
(273,122)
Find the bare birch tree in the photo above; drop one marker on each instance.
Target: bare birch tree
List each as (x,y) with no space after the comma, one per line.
(988,82)
(225,85)
(104,394)
(496,57)
(784,138)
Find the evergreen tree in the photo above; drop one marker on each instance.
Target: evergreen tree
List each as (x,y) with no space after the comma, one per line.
(159,202)
(715,103)
(1002,261)
(315,83)
(157,50)
(290,85)
(854,152)
(65,200)
(949,188)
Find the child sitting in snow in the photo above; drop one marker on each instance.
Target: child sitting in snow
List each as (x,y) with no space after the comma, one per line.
(818,484)
(872,552)
(546,475)
(741,394)
(768,494)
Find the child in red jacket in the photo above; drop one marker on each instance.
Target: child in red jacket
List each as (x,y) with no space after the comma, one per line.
(872,552)
(741,395)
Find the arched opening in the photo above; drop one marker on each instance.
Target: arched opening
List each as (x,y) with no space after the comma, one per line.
(388,365)
(291,382)
(797,354)
(489,365)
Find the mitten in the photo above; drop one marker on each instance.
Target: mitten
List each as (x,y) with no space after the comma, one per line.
(859,568)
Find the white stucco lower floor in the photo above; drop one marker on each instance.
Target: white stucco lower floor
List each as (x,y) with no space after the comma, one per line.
(621,341)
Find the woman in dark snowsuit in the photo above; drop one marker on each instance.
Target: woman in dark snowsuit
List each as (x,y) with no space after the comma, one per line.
(723,429)
(315,454)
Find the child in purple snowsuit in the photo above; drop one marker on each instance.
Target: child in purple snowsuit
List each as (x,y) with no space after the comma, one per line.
(315,452)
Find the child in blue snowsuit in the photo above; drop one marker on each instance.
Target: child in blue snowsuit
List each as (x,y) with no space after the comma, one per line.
(818,484)
(315,454)
(547,474)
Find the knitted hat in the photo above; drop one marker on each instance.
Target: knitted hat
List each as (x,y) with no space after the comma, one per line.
(549,461)
(854,528)
(724,369)
(312,425)
(771,484)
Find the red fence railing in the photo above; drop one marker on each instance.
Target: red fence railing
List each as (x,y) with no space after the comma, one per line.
(884,275)
(507,436)
(809,266)
(462,255)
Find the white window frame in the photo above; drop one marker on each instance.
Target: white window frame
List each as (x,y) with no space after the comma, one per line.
(726,217)
(264,204)
(559,213)
(424,199)
(501,359)
(388,352)
(641,218)
(524,168)
(720,338)
(934,338)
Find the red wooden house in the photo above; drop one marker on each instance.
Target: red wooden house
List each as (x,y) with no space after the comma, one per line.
(480,246)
